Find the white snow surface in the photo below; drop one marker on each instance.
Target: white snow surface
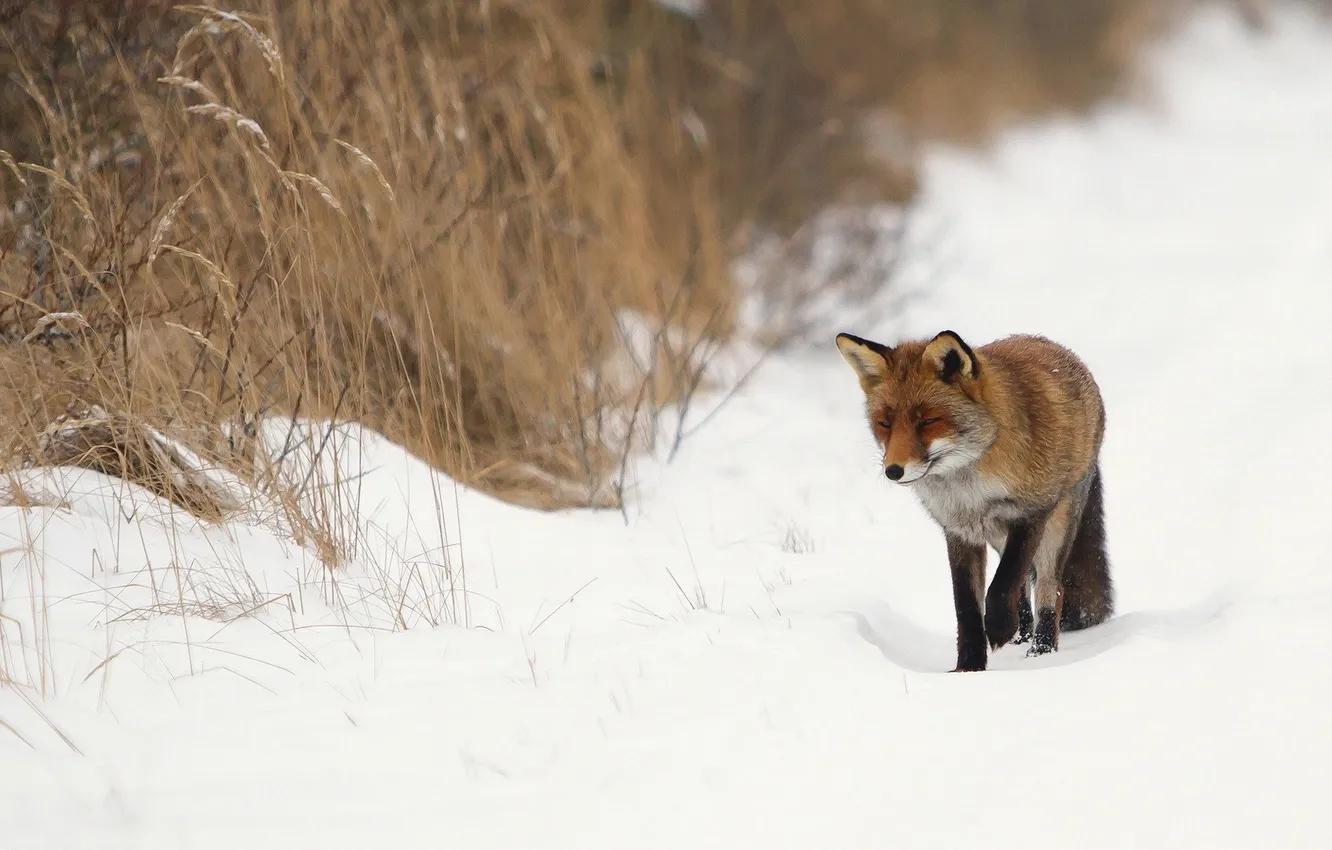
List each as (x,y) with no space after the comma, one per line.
(755,654)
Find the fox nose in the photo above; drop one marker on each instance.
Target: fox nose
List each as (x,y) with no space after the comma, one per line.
(893,471)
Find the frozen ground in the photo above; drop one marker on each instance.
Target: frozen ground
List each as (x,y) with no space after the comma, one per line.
(755,659)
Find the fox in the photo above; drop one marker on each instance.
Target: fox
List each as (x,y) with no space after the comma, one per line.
(1001,445)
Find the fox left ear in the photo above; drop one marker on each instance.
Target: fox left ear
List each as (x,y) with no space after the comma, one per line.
(868,358)
(951,356)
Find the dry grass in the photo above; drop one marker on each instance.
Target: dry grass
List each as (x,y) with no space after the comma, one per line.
(808,103)
(328,215)
(426,217)
(797,540)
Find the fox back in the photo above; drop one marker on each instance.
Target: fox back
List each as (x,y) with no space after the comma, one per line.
(1024,413)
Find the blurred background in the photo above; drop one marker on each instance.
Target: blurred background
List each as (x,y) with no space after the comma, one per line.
(451,220)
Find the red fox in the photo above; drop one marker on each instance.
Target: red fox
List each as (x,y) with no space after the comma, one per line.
(1002,446)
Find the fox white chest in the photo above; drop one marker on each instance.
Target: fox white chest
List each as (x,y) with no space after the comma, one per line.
(973,507)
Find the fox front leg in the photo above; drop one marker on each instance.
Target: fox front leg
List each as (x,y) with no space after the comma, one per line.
(1006,600)
(967,562)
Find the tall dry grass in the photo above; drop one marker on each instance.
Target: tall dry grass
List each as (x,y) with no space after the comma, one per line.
(420,217)
(427,216)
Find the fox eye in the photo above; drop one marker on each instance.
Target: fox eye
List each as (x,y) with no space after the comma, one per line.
(886,424)
(931,421)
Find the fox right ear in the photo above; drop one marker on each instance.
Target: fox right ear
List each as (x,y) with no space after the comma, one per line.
(869,359)
(950,356)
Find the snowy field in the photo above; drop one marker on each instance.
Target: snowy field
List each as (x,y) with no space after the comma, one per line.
(754,656)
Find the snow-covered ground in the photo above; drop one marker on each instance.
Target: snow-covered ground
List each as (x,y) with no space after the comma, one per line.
(755,654)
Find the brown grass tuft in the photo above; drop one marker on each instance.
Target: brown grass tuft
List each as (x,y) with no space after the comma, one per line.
(118,446)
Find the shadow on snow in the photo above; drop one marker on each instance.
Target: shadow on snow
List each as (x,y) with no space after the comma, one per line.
(919,650)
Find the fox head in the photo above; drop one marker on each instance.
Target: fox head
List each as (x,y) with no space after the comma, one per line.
(924,401)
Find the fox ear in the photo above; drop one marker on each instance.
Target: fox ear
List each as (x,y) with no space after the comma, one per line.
(951,356)
(869,359)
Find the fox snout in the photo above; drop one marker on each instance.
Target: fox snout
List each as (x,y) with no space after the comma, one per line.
(905,473)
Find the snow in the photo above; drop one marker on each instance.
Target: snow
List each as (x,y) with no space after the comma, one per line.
(688,8)
(754,654)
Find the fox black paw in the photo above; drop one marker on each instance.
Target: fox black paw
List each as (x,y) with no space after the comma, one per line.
(1001,622)
(970,656)
(1045,638)
(1026,622)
